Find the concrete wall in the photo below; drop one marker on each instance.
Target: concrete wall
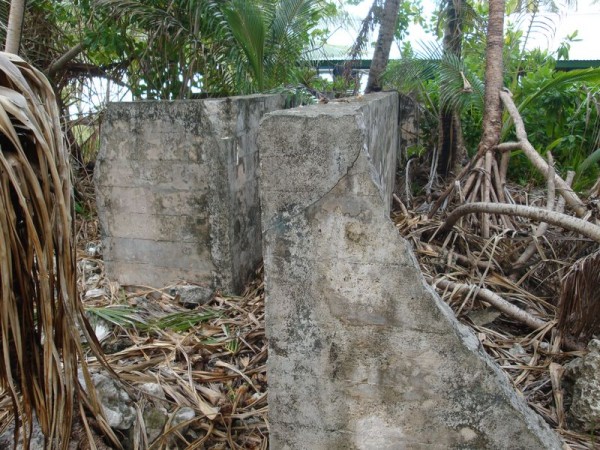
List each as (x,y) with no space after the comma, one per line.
(362,353)
(177,190)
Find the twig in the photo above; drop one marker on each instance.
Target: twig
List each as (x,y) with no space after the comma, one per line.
(530,212)
(496,301)
(450,188)
(407,182)
(504,160)
(401,205)
(487,178)
(463,260)
(556,374)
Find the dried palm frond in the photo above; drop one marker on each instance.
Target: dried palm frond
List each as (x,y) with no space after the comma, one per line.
(579,308)
(210,359)
(40,313)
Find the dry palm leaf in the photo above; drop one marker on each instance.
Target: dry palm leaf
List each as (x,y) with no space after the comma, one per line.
(579,308)
(40,312)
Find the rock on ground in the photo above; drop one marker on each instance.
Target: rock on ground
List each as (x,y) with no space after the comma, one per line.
(584,374)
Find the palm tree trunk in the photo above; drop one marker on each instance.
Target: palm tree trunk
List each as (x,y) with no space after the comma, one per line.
(449,126)
(15,25)
(494,83)
(381,55)
(492,114)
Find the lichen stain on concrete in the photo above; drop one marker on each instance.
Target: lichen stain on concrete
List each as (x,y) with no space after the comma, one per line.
(354,232)
(172,150)
(364,356)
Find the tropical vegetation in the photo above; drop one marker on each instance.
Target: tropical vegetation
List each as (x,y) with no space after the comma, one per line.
(181,49)
(559,109)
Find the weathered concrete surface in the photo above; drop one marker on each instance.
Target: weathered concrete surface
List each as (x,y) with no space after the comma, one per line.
(177,190)
(362,353)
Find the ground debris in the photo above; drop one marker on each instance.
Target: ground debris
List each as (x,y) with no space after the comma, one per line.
(534,359)
(209,362)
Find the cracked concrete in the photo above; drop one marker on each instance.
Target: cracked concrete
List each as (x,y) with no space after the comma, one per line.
(362,353)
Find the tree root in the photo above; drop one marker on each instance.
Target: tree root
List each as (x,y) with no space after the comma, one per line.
(496,301)
(523,142)
(541,229)
(570,223)
(485,180)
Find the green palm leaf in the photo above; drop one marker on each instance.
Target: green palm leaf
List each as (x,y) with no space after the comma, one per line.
(291,23)
(448,72)
(593,158)
(591,75)
(246,22)
(454,92)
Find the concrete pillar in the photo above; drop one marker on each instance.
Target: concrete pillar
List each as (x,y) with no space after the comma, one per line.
(362,353)
(177,191)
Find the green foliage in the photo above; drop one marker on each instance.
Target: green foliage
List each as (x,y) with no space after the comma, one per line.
(167,49)
(341,86)
(267,39)
(182,321)
(561,110)
(410,12)
(127,317)
(120,315)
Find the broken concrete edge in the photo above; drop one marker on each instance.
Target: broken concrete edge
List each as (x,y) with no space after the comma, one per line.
(534,422)
(382,167)
(316,398)
(176,181)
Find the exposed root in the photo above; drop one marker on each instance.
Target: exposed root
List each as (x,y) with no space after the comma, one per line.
(570,223)
(564,189)
(496,301)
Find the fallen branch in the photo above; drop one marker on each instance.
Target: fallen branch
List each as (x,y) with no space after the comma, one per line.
(530,212)
(570,197)
(63,60)
(496,301)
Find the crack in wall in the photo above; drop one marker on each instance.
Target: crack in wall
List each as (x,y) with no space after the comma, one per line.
(277,218)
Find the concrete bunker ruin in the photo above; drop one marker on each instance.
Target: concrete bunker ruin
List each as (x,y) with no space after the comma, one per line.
(177,191)
(362,353)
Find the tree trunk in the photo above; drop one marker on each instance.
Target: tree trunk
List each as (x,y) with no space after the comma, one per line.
(494,83)
(387,28)
(15,25)
(492,114)
(448,130)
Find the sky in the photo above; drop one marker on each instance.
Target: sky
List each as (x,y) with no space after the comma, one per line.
(585,18)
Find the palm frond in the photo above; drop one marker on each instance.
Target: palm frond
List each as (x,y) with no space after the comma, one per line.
(182,321)
(246,22)
(40,312)
(591,75)
(592,159)
(460,88)
(579,307)
(120,315)
(292,20)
